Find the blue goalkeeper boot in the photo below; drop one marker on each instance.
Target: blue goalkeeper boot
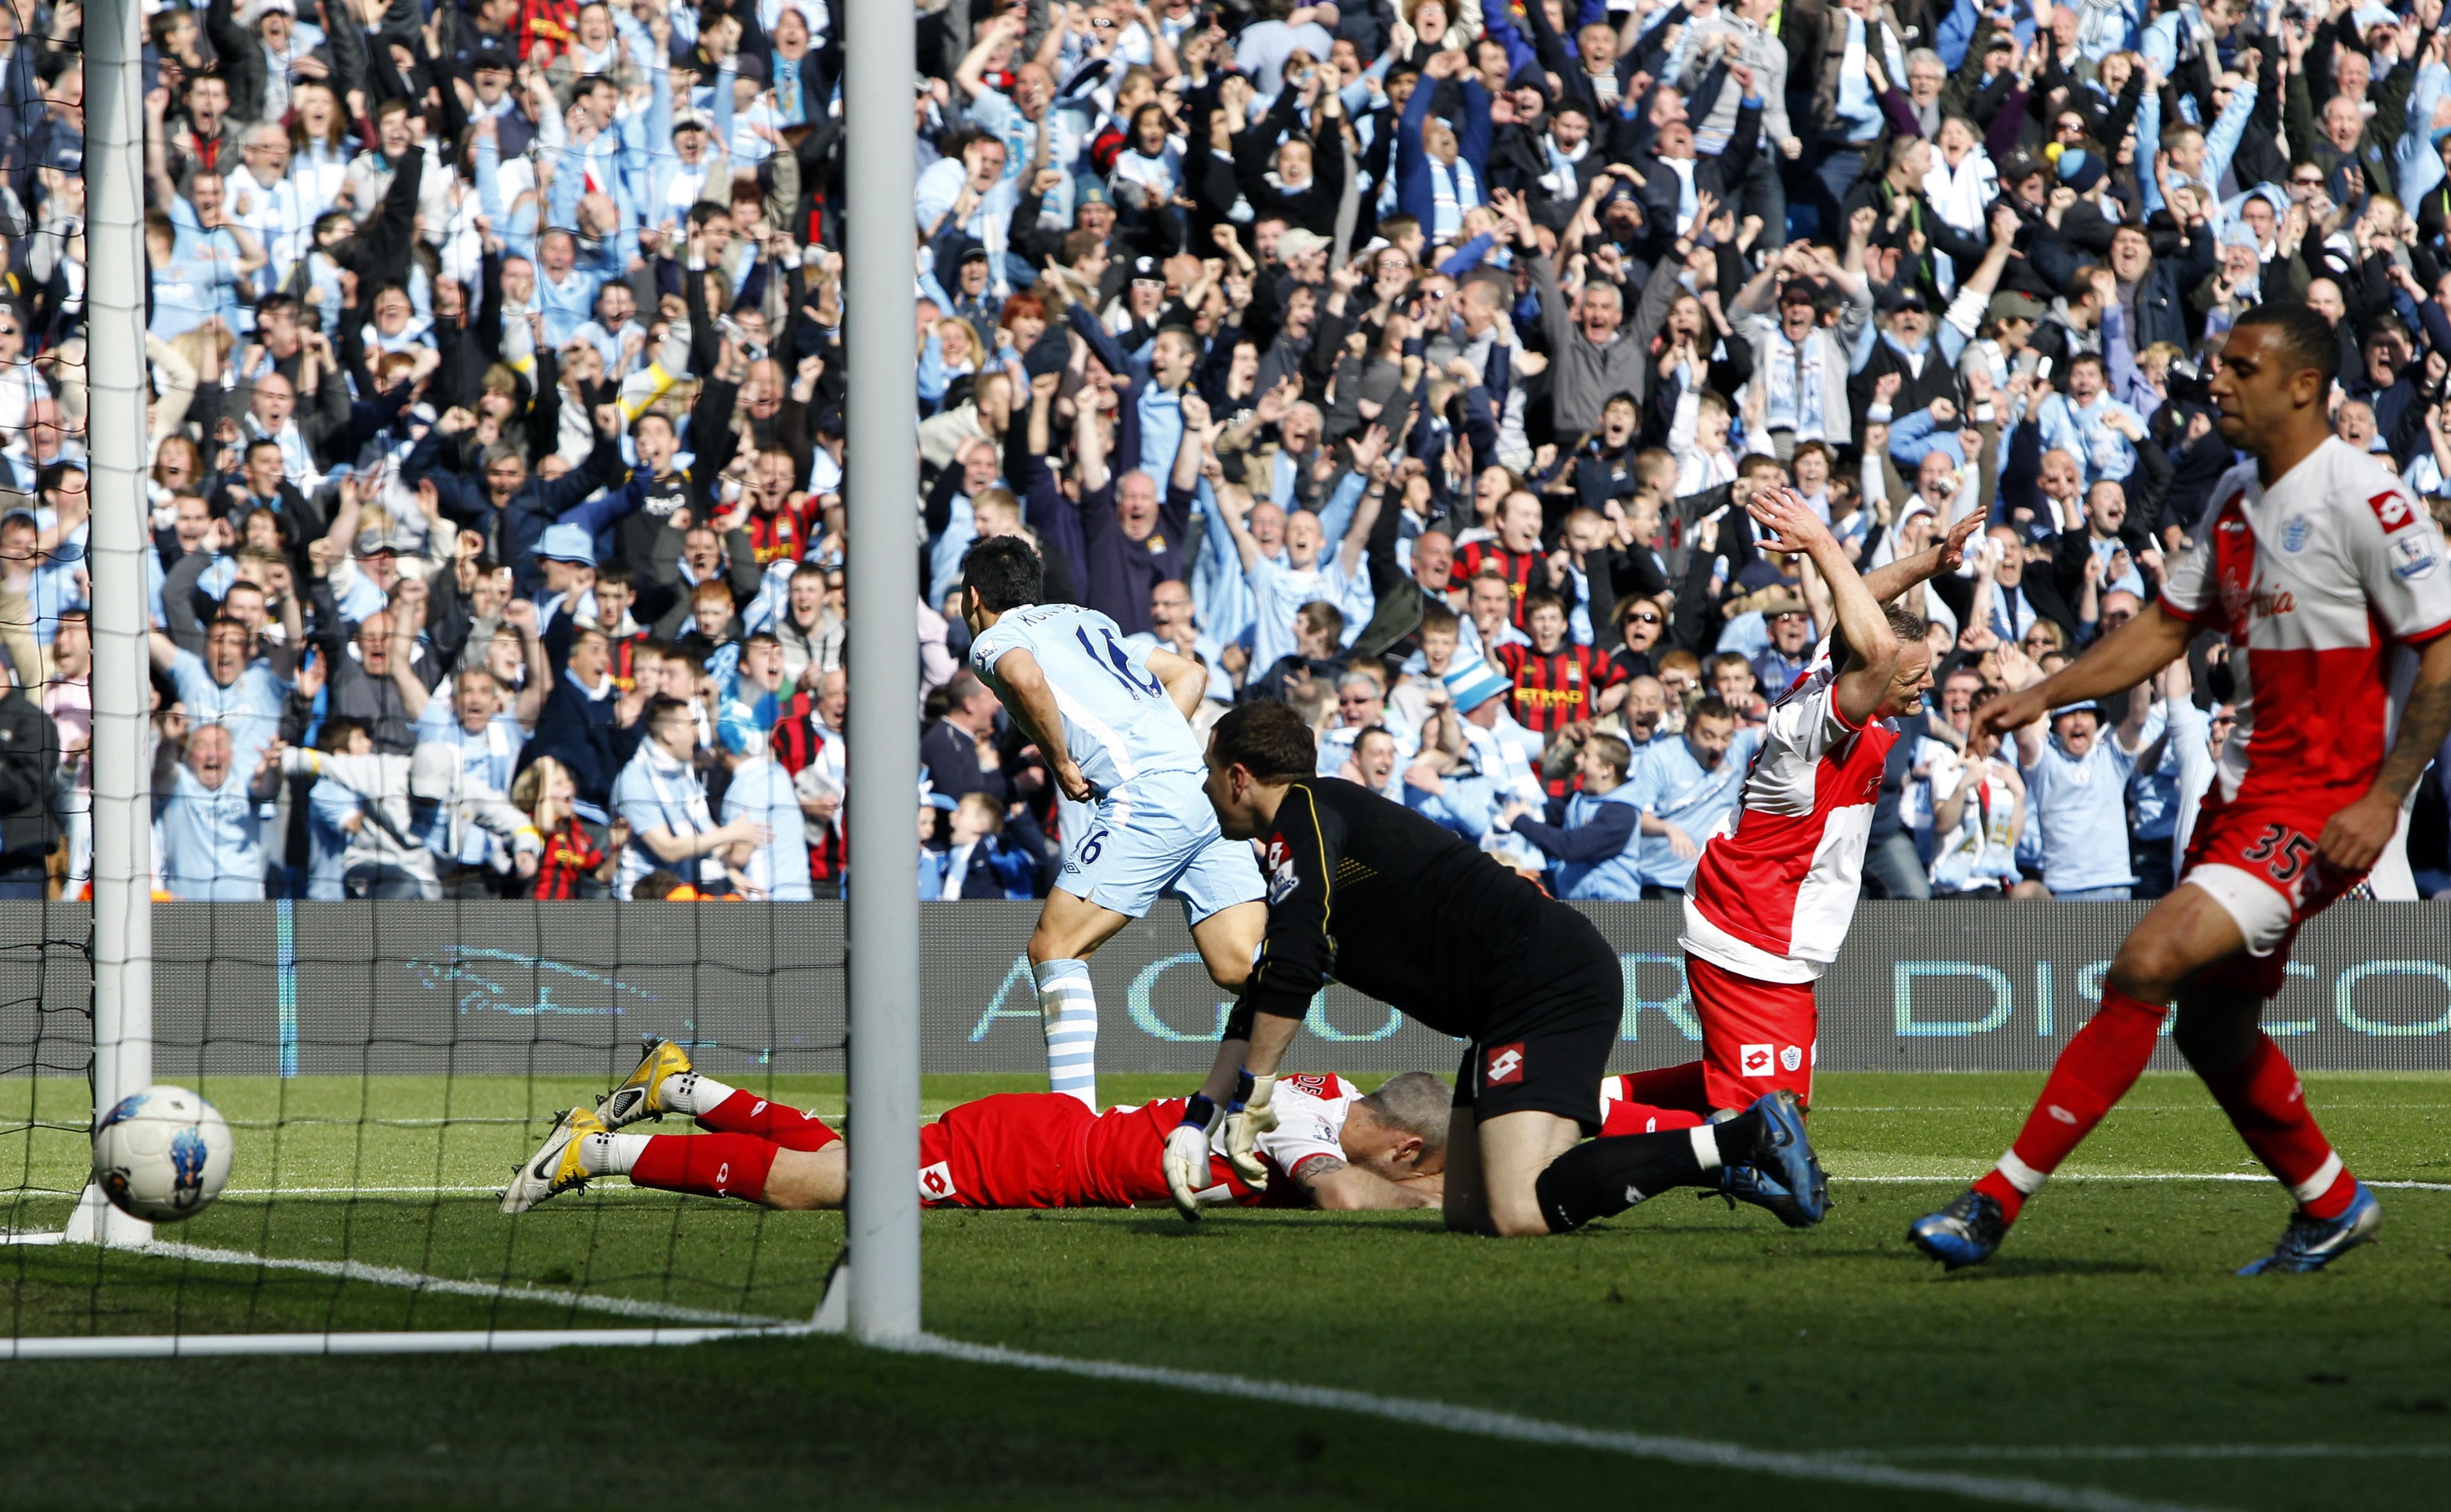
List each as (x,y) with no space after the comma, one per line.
(1967,1232)
(1782,1175)
(2311,1243)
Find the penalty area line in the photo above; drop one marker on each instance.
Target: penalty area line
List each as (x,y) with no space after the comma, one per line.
(1484,1423)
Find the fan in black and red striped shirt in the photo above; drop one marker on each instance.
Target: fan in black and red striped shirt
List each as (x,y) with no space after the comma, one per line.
(1514,555)
(1557,682)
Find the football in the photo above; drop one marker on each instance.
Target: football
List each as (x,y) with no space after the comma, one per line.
(162,1155)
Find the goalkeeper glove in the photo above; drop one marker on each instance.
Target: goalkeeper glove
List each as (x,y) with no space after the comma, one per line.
(1250,1117)
(1186,1155)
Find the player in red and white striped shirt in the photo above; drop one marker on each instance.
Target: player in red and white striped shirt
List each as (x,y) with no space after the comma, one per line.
(1773,894)
(2327,579)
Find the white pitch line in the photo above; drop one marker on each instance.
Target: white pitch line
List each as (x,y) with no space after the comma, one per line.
(419,1281)
(2161,1451)
(2129,1176)
(1416,1413)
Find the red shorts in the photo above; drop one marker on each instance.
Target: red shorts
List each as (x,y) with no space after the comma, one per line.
(1756,1036)
(2257,860)
(1045,1149)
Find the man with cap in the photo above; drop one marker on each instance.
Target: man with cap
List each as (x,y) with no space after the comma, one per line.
(565,556)
(2076,787)
(1790,641)
(761,797)
(1467,793)
(2009,321)
(1803,363)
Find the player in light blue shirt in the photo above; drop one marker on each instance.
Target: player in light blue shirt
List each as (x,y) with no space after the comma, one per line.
(1113,720)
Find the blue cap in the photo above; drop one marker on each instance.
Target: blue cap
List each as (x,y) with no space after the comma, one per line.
(737,730)
(566,542)
(1474,682)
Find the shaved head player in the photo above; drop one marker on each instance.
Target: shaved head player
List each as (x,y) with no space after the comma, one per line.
(2327,579)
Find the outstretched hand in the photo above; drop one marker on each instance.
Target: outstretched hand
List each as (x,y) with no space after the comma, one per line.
(1789,523)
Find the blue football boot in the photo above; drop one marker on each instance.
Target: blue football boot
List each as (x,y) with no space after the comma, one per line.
(1781,1174)
(1967,1232)
(2311,1243)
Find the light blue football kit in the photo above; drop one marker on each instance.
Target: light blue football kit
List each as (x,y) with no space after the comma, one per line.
(1148,830)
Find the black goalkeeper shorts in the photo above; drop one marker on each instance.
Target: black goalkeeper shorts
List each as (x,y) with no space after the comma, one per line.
(1548,1047)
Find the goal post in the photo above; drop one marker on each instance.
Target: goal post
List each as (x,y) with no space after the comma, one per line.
(882,481)
(123,793)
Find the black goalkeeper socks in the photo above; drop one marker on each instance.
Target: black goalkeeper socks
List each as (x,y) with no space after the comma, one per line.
(1603,1177)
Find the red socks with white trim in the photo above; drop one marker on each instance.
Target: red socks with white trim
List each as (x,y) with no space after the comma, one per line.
(732,1159)
(1653,1102)
(2268,1108)
(747,1112)
(2091,1075)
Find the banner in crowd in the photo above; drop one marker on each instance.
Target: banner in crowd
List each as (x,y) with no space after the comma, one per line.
(569,988)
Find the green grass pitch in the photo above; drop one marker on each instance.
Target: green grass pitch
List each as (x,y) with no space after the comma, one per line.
(2108,1347)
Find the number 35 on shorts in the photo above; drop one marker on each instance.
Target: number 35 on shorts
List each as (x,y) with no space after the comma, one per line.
(2283,853)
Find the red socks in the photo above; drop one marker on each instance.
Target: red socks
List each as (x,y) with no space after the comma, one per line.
(707,1164)
(2092,1074)
(2266,1105)
(746,1113)
(1652,1101)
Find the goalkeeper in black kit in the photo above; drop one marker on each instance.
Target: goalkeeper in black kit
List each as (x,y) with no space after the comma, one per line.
(1373,894)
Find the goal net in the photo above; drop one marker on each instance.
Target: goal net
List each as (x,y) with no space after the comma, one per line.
(353,970)
(383,1069)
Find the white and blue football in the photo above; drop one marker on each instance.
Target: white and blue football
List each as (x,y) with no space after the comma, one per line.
(162,1155)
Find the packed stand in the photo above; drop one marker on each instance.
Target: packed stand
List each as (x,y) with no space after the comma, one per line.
(1407,365)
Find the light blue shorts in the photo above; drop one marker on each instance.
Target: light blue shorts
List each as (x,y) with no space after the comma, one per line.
(1157,837)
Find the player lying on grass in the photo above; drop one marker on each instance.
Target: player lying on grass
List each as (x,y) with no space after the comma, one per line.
(1333,1147)
(1406,912)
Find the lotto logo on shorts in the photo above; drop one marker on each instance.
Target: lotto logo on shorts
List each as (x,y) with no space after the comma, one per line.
(936,1182)
(1504,1065)
(1756,1061)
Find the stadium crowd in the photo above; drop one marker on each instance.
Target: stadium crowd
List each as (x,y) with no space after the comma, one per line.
(1409,365)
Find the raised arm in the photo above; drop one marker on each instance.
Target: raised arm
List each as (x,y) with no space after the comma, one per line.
(1786,523)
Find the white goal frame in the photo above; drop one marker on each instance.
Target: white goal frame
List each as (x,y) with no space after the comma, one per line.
(878,1302)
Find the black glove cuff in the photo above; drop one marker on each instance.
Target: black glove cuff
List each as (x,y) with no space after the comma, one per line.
(1200,1112)
(1242,1085)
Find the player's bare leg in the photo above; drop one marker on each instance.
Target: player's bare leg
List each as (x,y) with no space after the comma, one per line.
(1229,939)
(1491,1179)
(1070,930)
